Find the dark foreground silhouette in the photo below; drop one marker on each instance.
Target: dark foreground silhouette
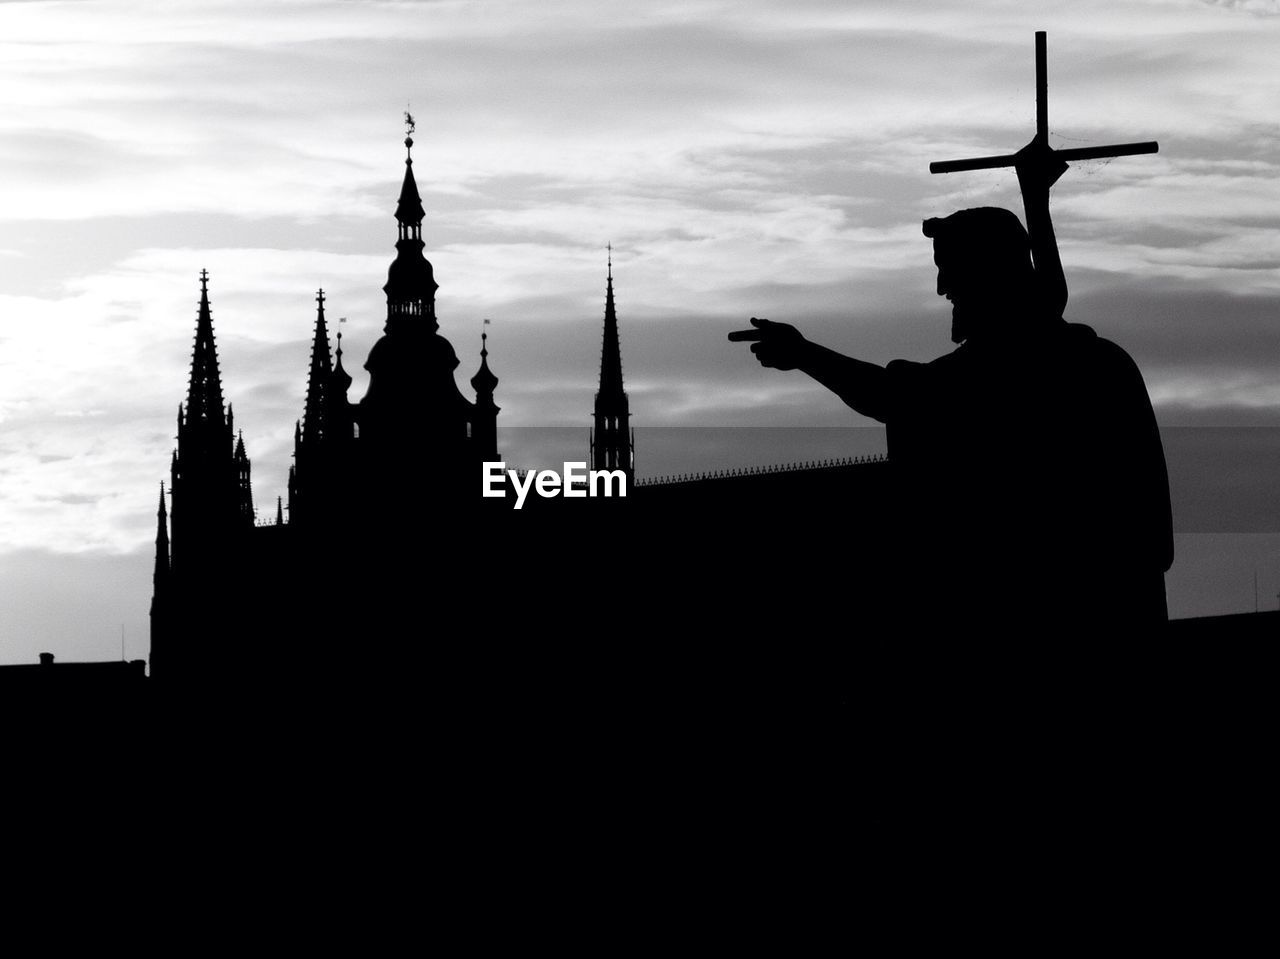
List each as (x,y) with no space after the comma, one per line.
(614,725)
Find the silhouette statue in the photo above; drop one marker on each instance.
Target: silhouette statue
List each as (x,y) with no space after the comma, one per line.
(1030,476)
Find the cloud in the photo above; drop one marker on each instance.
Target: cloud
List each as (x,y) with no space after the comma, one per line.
(1259,8)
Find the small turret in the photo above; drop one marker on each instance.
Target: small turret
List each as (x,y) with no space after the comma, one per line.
(484,381)
(244,484)
(340,378)
(484,416)
(161,575)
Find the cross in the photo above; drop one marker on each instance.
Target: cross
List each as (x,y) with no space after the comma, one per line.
(1042,133)
(320,298)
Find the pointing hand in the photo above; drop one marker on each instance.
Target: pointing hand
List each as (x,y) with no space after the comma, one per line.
(776,345)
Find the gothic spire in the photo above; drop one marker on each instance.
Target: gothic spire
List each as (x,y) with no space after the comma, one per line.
(611,352)
(244,503)
(204,395)
(313,416)
(611,445)
(162,542)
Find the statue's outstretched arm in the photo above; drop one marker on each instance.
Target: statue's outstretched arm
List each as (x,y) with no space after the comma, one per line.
(781,346)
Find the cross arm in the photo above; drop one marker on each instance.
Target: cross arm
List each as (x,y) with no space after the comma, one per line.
(1079,153)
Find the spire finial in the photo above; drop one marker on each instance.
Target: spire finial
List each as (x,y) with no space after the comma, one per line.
(204,282)
(409,127)
(609,247)
(341,320)
(320,298)
(484,381)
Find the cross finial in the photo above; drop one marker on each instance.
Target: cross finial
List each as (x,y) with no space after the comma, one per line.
(204,281)
(320,297)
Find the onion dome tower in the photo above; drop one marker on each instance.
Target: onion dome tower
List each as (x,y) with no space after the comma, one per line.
(413,420)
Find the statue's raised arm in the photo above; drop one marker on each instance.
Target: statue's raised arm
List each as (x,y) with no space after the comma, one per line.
(1039,168)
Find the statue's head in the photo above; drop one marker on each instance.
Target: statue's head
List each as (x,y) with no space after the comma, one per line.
(984,268)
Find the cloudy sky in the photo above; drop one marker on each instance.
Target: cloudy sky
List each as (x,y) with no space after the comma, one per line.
(744,158)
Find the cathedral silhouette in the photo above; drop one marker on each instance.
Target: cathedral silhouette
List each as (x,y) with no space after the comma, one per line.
(415,432)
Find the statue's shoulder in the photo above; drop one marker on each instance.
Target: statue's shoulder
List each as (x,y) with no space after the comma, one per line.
(1112,372)
(1083,337)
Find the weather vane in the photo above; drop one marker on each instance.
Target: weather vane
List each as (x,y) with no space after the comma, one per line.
(409,125)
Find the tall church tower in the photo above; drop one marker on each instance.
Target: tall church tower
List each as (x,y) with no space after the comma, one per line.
(210,482)
(613,444)
(212,496)
(414,423)
(323,439)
